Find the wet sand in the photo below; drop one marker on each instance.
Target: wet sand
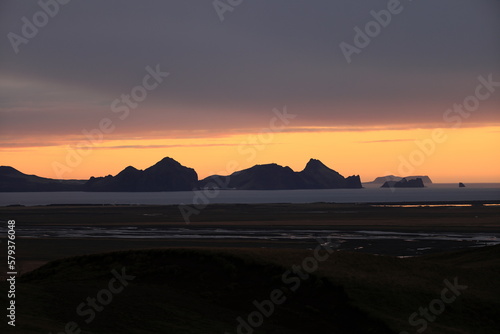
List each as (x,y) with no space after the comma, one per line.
(33,252)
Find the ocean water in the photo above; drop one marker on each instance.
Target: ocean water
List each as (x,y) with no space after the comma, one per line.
(369,194)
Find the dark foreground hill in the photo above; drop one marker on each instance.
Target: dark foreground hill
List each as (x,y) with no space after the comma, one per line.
(180,291)
(206,291)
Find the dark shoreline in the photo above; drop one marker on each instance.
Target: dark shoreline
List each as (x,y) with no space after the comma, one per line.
(264,217)
(474,215)
(374,203)
(382,285)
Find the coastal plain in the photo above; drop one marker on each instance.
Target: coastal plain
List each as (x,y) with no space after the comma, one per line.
(193,285)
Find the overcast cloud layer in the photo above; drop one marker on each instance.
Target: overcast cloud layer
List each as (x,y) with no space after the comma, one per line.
(229,75)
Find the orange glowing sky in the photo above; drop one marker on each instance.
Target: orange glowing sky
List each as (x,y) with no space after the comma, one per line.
(213,86)
(465,155)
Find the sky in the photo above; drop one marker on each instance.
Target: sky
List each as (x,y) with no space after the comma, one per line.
(90,87)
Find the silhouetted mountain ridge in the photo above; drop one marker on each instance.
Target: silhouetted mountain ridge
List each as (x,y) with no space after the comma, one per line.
(318,176)
(170,175)
(275,177)
(165,175)
(12,180)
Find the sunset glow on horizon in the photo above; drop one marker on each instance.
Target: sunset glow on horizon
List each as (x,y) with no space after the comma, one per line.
(370,154)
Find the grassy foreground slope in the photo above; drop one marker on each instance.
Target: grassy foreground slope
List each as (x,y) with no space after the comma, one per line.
(180,291)
(205,291)
(392,289)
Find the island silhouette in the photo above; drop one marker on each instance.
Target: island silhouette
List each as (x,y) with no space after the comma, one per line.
(170,175)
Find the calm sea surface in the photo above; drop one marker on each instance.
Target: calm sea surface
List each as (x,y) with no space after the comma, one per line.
(375,242)
(369,194)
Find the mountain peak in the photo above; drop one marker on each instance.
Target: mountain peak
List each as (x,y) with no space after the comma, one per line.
(167,160)
(7,170)
(166,175)
(130,168)
(315,164)
(317,175)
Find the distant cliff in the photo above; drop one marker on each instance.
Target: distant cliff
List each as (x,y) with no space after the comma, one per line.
(383,179)
(275,177)
(404,183)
